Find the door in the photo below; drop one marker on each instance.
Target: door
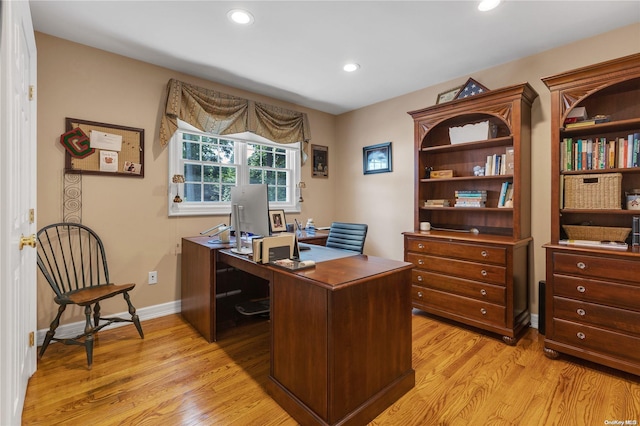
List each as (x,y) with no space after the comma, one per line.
(17,207)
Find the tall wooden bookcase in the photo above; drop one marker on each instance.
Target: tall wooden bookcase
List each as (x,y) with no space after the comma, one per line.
(480,279)
(593,294)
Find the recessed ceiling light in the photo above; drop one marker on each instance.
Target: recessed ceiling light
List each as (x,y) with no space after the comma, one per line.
(240,16)
(351,67)
(486,5)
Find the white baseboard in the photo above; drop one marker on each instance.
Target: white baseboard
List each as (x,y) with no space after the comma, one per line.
(534,321)
(150,312)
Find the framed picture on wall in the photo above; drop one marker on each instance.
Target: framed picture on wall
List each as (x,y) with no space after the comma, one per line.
(377,158)
(278,221)
(320,162)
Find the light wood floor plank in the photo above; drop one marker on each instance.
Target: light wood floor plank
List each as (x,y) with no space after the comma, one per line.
(174,377)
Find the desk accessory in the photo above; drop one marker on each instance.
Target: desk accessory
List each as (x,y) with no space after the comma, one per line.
(294,265)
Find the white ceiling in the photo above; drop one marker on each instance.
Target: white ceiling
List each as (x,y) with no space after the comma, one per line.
(295,50)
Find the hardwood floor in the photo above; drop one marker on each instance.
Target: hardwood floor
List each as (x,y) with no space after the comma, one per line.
(174,377)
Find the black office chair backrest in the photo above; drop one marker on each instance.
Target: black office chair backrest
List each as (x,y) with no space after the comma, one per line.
(347,236)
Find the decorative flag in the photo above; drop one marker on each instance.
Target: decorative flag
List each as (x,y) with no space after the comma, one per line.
(471,88)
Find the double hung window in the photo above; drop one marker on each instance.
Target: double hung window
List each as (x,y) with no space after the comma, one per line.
(212,165)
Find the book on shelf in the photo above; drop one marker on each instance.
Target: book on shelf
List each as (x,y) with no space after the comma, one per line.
(470,198)
(598,153)
(503,194)
(635,231)
(436,203)
(615,245)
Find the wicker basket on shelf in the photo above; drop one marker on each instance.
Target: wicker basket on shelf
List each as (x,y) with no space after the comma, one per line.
(596,233)
(594,191)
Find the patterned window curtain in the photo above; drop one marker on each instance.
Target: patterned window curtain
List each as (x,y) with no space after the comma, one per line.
(223,114)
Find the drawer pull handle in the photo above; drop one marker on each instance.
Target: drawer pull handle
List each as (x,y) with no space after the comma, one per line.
(581,335)
(581,312)
(420,294)
(420,245)
(484,273)
(420,262)
(483,311)
(484,253)
(581,289)
(420,278)
(581,265)
(483,292)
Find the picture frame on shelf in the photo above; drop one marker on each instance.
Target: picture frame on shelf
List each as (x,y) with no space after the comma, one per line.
(471,88)
(277,220)
(448,95)
(320,163)
(377,158)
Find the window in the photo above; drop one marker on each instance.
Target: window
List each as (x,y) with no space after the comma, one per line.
(212,165)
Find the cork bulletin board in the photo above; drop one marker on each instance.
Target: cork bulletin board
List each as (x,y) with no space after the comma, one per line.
(125,160)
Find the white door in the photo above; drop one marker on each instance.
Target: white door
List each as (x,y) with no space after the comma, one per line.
(17,207)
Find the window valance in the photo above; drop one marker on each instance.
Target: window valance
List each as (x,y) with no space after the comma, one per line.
(215,112)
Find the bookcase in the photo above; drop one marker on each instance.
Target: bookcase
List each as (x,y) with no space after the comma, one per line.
(593,293)
(477,278)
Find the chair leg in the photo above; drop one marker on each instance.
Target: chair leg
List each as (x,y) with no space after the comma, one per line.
(52,330)
(88,330)
(96,314)
(134,316)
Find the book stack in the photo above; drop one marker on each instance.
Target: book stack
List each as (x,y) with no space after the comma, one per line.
(471,198)
(635,236)
(436,203)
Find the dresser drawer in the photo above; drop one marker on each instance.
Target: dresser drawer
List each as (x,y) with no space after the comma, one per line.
(597,267)
(459,268)
(459,306)
(601,341)
(602,292)
(476,290)
(597,315)
(474,252)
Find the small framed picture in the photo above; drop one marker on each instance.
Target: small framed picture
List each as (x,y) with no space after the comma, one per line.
(448,95)
(278,221)
(320,162)
(377,158)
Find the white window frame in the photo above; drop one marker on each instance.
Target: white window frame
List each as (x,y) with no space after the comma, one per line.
(176,167)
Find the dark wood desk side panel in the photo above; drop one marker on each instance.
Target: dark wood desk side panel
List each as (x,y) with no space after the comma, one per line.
(198,287)
(299,350)
(370,337)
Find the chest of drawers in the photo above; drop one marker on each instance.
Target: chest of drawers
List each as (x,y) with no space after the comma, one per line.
(593,306)
(480,281)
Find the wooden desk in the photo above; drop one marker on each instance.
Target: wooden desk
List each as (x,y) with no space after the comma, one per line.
(340,334)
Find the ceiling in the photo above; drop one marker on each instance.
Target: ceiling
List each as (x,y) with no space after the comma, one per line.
(295,50)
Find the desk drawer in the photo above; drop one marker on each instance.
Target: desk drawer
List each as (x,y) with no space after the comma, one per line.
(597,267)
(597,315)
(610,343)
(474,252)
(459,306)
(603,292)
(460,268)
(446,283)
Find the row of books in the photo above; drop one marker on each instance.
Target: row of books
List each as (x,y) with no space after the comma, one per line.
(600,153)
(500,164)
(471,198)
(506,195)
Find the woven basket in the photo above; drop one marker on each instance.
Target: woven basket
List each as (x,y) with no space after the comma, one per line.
(596,233)
(596,191)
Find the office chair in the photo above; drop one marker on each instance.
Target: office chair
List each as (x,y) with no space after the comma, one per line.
(347,236)
(72,259)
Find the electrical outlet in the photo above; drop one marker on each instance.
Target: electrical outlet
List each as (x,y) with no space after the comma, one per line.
(153,277)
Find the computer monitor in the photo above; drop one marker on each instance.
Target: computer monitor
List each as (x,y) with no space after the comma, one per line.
(249,214)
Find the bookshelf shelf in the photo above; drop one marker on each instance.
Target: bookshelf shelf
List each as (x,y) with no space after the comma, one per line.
(593,295)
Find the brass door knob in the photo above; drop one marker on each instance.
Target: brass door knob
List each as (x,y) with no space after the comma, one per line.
(27,241)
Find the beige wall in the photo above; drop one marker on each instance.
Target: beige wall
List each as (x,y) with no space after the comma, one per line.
(130,214)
